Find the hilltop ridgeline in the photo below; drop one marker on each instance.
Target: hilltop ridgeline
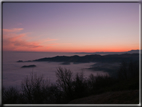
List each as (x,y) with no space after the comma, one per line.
(89,58)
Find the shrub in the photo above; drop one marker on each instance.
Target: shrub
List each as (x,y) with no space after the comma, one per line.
(79,86)
(128,70)
(10,96)
(91,84)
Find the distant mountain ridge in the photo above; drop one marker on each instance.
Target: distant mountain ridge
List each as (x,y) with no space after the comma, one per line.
(90,58)
(131,51)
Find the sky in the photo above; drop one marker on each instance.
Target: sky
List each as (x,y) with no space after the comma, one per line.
(70,27)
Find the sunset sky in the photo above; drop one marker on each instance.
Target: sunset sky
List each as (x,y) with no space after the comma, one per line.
(70,27)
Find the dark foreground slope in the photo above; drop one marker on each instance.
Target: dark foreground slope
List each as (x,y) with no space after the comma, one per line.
(118,97)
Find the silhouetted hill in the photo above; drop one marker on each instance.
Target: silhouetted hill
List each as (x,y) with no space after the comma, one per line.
(91,58)
(28,66)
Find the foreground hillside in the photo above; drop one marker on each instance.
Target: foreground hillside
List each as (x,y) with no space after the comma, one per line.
(122,92)
(118,97)
(70,88)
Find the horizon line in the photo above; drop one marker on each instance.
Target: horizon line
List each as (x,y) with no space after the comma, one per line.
(72,52)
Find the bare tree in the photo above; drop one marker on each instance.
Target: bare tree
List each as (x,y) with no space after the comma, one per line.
(33,88)
(123,72)
(64,80)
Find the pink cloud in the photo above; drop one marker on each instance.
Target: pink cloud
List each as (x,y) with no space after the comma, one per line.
(15,43)
(20,42)
(12,30)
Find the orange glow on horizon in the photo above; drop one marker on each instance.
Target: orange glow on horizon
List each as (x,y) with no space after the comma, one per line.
(19,42)
(74,50)
(91,49)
